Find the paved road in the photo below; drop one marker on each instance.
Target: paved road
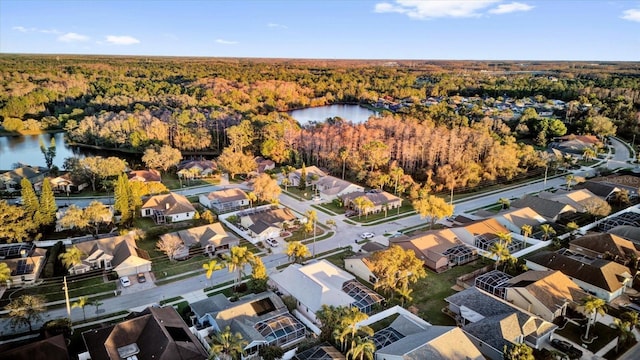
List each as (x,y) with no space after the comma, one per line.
(621,155)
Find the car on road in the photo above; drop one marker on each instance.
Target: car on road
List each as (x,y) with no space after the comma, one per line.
(272,242)
(125,282)
(367,235)
(567,348)
(141,278)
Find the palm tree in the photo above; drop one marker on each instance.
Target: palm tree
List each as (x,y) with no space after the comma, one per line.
(312,219)
(569,179)
(624,332)
(350,322)
(237,259)
(71,257)
(97,304)
(211,266)
(499,251)
(331,223)
(589,153)
(361,348)
(505,203)
(296,251)
(226,345)
(593,306)
(572,227)
(526,232)
(26,309)
(252,197)
(5,273)
(546,231)
(81,303)
(363,204)
(505,238)
(632,317)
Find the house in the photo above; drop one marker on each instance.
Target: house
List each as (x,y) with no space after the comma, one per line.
(65,184)
(409,337)
(155,333)
(514,219)
(212,238)
(381,200)
(549,209)
(330,187)
(10,180)
(144,175)
(52,348)
(191,169)
(25,262)
(483,234)
(603,189)
(629,232)
(607,246)
(360,266)
(575,143)
(170,207)
(266,222)
(578,199)
(602,278)
(263,164)
(322,283)
(118,253)
(439,249)
(492,323)
(547,294)
(262,320)
(222,201)
(313,172)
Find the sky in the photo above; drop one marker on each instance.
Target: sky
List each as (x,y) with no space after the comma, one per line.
(592,30)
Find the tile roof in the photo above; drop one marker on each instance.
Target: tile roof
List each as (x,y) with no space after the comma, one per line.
(547,208)
(551,288)
(170,204)
(144,175)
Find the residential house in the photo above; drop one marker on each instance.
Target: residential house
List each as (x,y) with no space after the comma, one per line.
(51,348)
(514,219)
(191,169)
(604,190)
(606,246)
(151,175)
(322,283)
(410,337)
(549,209)
(313,172)
(118,253)
(439,249)
(263,164)
(483,234)
(262,320)
(222,201)
(575,198)
(575,143)
(360,266)
(266,222)
(547,294)
(25,262)
(381,200)
(602,278)
(64,184)
(628,232)
(624,180)
(212,238)
(171,207)
(10,180)
(330,187)
(492,323)
(155,333)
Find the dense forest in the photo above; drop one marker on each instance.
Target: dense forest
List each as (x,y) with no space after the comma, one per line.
(207,105)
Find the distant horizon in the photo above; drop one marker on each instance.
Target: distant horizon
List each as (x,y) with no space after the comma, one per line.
(485,30)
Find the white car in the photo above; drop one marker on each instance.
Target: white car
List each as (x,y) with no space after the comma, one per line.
(125,282)
(367,235)
(272,242)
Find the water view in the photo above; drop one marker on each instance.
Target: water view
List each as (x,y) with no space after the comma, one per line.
(353,113)
(26,149)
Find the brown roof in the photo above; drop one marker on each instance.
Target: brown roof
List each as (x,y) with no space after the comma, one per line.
(551,288)
(159,333)
(227,195)
(170,204)
(377,198)
(53,348)
(430,244)
(273,216)
(144,175)
(607,243)
(599,273)
(213,234)
(486,226)
(202,164)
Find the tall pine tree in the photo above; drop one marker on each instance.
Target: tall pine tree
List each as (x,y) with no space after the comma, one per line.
(29,199)
(303,178)
(48,207)
(123,201)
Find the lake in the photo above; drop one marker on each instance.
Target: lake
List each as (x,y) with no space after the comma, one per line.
(26,149)
(353,113)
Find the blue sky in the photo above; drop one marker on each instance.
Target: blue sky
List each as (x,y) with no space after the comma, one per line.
(329,29)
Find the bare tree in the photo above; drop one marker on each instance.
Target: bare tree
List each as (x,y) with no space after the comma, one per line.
(169,245)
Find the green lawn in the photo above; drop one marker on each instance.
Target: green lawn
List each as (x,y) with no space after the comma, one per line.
(52,290)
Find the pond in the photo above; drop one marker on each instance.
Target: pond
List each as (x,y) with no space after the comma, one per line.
(353,113)
(26,149)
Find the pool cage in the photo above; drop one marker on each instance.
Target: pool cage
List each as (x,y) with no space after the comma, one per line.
(628,218)
(386,337)
(486,241)
(281,330)
(365,297)
(460,254)
(493,282)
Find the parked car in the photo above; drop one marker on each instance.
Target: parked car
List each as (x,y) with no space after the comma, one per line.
(567,348)
(141,278)
(367,235)
(125,282)
(272,242)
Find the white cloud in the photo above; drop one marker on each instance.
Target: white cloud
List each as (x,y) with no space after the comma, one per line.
(226,42)
(421,9)
(122,40)
(50,31)
(21,29)
(631,15)
(33,29)
(509,8)
(274,25)
(72,37)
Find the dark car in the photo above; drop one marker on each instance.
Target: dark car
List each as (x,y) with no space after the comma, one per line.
(567,348)
(141,278)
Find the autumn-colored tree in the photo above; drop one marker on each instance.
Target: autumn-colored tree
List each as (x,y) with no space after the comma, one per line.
(396,269)
(169,245)
(297,251)
(123,199)
(363,204)
(208,217)
(15,224)
(597,207)
(5,274)
(235,162)
(97,214)
(163,158)
(266,188)
(25,310)
(433,207)
(237,259)
(518,352)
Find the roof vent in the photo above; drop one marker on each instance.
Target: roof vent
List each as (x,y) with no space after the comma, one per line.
(128,352)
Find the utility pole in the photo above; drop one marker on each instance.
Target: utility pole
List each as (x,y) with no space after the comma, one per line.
(66,296)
